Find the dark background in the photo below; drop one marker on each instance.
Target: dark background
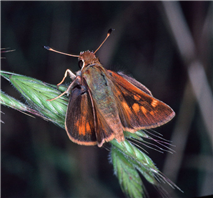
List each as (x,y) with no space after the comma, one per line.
(38,159)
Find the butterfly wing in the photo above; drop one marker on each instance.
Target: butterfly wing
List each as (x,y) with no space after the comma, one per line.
(137,108)
(103,131)
(84,123)
(79,123)
(135,83)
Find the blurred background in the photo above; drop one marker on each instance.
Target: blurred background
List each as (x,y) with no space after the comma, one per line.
(167,46)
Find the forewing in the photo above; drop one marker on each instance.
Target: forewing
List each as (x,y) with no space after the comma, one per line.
(135,83)
(103,131)
(79,122)
(138,109)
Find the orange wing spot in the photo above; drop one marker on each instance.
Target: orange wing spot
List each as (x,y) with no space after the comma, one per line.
(125,105)
(152,113)
(127,109)
(88,128)
(154,103)
(143,110)
(136,107)
(81,129)
(136,97)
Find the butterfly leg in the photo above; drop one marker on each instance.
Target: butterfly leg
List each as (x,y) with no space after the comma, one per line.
(77,81)
(71,75)
(57,96)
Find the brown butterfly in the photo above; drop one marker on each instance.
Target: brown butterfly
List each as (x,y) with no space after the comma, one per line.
(104,103)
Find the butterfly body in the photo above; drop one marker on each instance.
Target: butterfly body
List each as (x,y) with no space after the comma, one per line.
(104,103)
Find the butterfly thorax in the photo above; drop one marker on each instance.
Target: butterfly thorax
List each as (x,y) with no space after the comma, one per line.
(88,58)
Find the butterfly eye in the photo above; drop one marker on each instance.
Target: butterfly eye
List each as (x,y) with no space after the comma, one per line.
(80,63)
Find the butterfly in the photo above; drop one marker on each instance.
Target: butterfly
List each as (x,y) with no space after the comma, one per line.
(104,103)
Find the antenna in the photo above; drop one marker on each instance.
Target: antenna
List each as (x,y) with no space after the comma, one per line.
(108,34)
(51,49)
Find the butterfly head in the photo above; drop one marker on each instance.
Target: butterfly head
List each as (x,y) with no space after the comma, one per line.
(87,58)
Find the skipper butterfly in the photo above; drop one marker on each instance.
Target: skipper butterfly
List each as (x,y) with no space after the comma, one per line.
(104,103)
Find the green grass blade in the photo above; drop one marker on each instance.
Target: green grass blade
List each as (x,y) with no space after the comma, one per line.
(36,94)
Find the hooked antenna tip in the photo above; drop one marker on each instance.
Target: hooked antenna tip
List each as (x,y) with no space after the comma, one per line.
(110,31)
(47,47)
